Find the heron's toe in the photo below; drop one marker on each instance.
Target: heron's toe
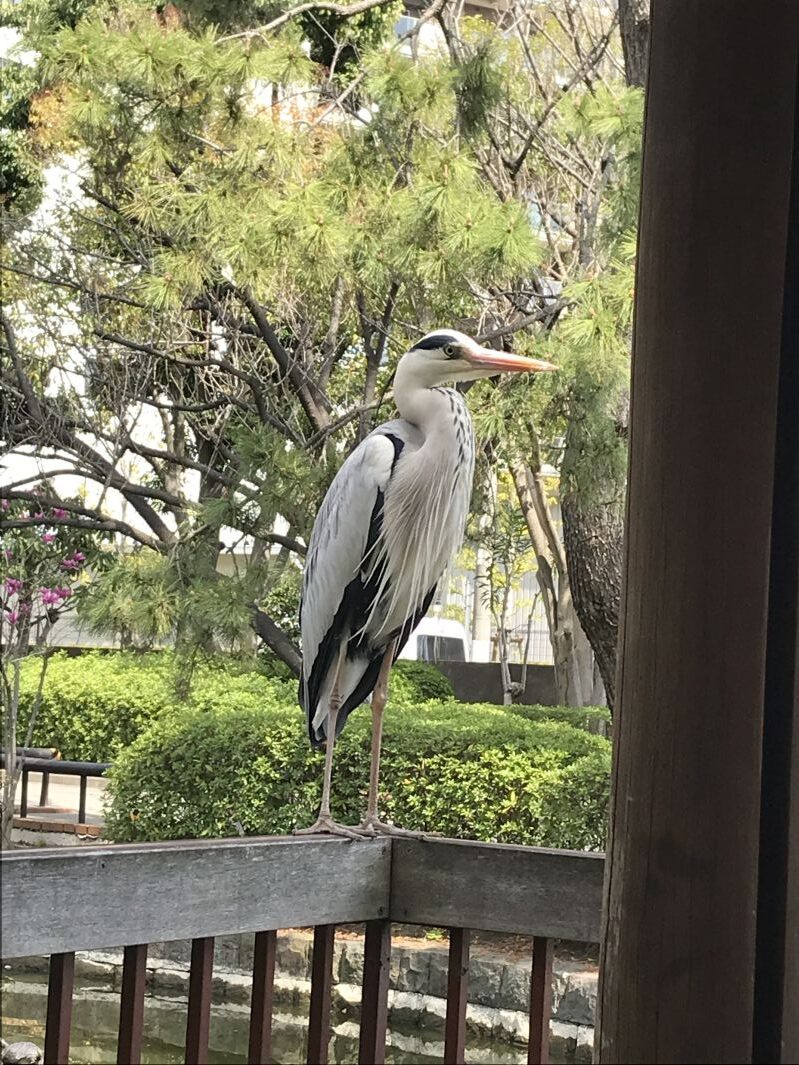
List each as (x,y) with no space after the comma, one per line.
(325,825)
(373,826)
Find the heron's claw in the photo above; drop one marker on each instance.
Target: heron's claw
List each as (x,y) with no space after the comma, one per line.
(325,825)
(373,826)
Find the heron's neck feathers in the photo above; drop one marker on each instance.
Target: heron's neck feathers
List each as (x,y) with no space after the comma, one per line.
(425,506)
(430,409)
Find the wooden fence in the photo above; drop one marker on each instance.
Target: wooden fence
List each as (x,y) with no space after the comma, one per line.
(59,901)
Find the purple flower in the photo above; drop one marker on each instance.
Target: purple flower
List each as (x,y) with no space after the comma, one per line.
(64,593)
(39,515)
(13,616)
(50,596)
(4,504)
(75,562)
(48,537)
(59,512)
(13,585)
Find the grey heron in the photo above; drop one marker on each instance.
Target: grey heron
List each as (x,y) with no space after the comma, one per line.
(390,524)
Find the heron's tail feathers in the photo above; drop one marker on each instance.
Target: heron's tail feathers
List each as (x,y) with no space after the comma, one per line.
(357,677)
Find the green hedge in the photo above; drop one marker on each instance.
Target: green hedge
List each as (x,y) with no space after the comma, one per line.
(596,719)
(237,755)
(208,769)
(95,705)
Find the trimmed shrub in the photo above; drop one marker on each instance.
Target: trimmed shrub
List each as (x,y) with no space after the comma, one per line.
(411,682)
(96,704)
(419,682)
(596,719)
(236,757)
(216,770)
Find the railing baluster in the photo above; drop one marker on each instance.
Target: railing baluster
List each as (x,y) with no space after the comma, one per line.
(23,799)
(374,994)
(59,1009)
(82,801)
(44,795)
(540,1002)
(263,985)
(199,1012)
(321,982)
(131,1005)
(457,993)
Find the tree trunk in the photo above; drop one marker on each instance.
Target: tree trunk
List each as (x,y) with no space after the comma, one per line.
(276,640)
(634,27)
(593,536)
(9,779)
(573,671)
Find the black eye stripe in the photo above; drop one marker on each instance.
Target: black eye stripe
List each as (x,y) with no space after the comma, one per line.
(438,340)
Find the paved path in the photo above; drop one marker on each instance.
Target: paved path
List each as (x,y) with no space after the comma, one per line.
(62,799)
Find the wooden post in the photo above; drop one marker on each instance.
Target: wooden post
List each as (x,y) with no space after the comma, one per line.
(262,1000)
(374,996)
(198,1014)
(131,1005)
(699,931)
(457,996)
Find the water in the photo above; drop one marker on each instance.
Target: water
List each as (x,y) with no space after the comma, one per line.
(96,1017)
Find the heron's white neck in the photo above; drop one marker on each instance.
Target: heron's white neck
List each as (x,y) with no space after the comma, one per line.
(424,407)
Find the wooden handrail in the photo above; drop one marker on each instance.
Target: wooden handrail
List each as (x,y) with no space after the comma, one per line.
(143,893)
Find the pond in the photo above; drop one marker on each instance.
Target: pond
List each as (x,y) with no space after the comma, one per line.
(96,1016)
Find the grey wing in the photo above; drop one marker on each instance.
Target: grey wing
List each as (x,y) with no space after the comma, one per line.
(339,538)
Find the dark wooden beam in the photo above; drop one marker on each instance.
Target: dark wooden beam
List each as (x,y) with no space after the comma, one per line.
(684,885)
(776,1010)
(497,888)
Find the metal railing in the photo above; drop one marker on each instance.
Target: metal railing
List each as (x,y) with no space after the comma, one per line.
(54,765)
(144,893)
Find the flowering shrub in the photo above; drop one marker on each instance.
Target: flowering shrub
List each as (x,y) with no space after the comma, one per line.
(42,557)
(42,567)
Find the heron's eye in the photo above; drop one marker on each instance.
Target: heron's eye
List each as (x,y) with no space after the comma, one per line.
(449,350)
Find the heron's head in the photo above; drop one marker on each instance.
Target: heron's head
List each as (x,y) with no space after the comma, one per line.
(446,355)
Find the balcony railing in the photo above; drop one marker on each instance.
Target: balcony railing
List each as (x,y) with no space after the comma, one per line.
(60,901)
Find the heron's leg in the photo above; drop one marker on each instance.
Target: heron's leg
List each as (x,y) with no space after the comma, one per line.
(324,809)
(379,697)
(371,824)
(325,822)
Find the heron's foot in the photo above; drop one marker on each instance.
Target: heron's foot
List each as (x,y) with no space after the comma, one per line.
(373,826)
(325,825)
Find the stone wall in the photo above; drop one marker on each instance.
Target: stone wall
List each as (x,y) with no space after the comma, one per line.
(481,682)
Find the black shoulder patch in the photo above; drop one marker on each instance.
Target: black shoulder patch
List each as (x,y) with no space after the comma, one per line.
(437,340)
(398,443)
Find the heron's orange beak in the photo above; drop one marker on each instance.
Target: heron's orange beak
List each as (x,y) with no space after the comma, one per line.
(504,362)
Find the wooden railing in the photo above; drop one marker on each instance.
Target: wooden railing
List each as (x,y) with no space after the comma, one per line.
(60,901)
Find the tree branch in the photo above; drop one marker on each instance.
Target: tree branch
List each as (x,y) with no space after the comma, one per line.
(94,525)
(345,10)
(315,413)
(276,640)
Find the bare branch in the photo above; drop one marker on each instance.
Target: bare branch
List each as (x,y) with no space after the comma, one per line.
(345,10)
(95,525)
